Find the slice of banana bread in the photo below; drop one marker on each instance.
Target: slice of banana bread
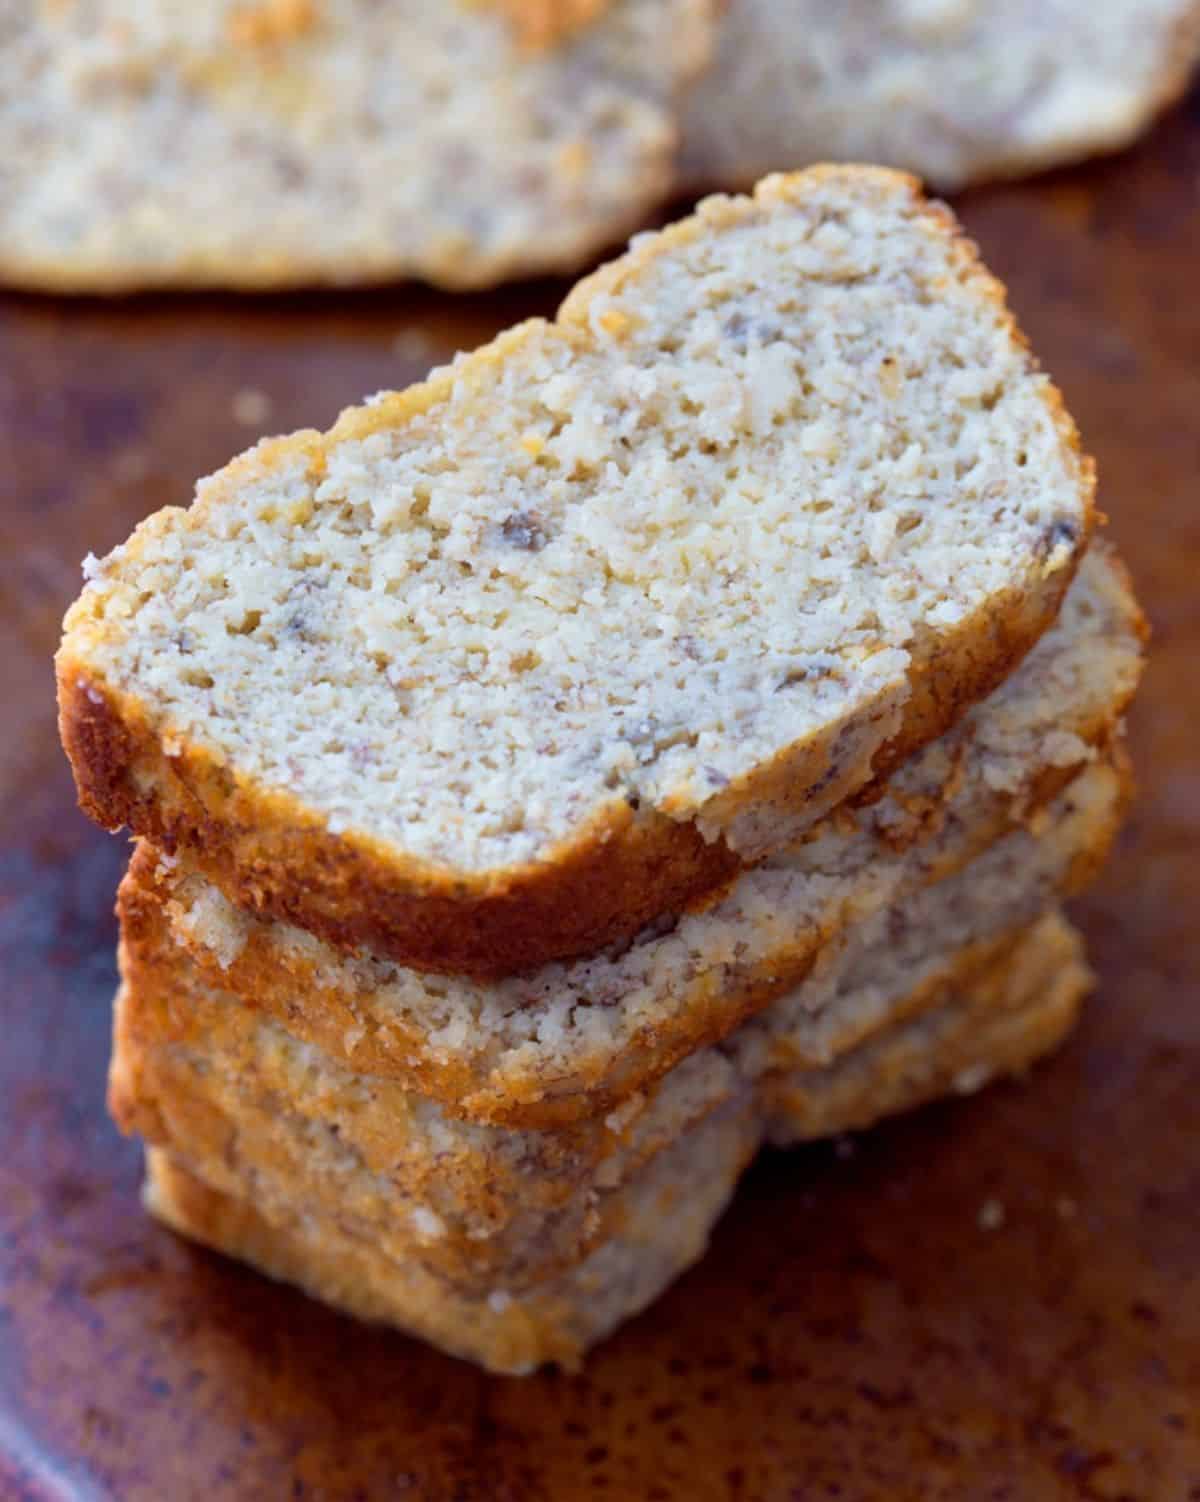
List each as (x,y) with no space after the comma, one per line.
(572,1040)
(997,1026)
(275,143)
(506,666)
(664,1227)
(199,1070)
(954,90)
(195,1070)
(560,1058)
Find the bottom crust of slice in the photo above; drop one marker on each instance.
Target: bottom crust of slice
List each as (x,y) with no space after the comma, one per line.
(998,1024)
(665,1227)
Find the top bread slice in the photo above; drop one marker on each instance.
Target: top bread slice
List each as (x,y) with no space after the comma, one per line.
(273,143)
(954,90)
(506,665)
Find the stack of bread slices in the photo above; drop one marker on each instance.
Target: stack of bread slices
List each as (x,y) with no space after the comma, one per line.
(667,729)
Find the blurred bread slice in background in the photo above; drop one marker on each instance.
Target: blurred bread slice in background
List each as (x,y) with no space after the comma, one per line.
(282,143)
(957,91)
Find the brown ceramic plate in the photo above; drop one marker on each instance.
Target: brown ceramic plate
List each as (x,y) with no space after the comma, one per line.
(856,1331)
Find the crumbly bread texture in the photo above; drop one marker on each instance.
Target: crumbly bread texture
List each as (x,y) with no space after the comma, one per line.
(573,1039)
(667,1217)
(542,23)
(669,1211)
(887,967)
(274,143)
(952,1051)
(954,90)
(557,1059)
(195,1068)
(507,665)
(202,1071)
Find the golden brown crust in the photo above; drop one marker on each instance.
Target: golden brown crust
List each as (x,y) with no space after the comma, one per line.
(189,1070)
(161,1100)
(516,1209)
(549,1214)
(345,1274)
(999,1027)
(272,856)
(293,987)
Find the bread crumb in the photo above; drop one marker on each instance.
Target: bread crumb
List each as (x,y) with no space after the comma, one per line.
(411,344)
(251,407)
(574,158)
(131,466)
(428,1226)
(1066,1208)
(991,1215)
(968,1081)
(615,322)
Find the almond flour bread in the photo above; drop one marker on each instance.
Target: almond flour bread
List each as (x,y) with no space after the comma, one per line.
(469,1205)
(275,143)
(954,1050)
(572,1040)
(192,1064)
(665,1224)
(886,970)
(509,664)
(954,90)
(545,1058)
(194,1068)
(668,1213)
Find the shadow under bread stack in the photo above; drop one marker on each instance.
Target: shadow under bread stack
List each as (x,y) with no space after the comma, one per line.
(666,729)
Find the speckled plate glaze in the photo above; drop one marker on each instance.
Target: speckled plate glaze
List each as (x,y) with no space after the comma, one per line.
(997,1298)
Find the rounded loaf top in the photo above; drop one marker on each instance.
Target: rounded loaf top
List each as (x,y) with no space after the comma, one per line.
(708,522)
